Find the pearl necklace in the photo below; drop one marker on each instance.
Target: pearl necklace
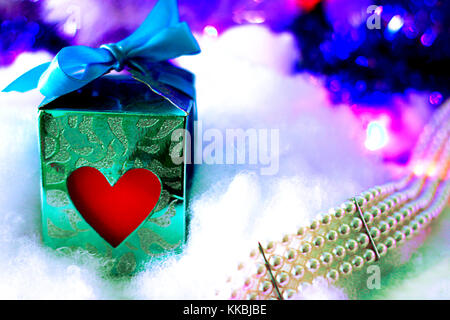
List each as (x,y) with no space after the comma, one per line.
(368,229)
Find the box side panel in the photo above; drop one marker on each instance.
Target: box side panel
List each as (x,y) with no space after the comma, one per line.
(112,143)
(189,158)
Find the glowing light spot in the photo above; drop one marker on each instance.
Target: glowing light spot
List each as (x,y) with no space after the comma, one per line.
(395,24)
(376,136)
(362,61)
(211,31)
(70,28)
(307,5)
(379,10)
(432,170)
(428,38)
(435,98)
(73,22)
(419,169)
(256,17)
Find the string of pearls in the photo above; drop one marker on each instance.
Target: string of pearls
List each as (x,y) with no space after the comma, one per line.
(337,245)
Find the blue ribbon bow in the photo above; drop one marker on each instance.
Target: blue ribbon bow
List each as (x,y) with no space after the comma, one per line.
(160,37)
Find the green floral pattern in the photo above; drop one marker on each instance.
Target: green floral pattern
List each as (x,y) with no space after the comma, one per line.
(112,143)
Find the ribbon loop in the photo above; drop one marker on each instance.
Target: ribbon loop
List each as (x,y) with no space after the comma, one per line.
(160,37)
(118,54)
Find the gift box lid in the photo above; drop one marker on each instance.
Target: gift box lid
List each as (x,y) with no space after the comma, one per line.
(157,89)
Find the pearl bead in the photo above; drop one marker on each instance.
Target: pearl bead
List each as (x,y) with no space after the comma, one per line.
(390,243)
(276,261)
(349,207)
(261,270)
(291,255)
(326,219)
(375,233)
(314,225)
(318,242)
(313,265)
(398,217)
(399,237)
(351,245)
(374,193)
(415,225)
(345,268)
(376,212)
(270,246)
(405,212)
(288,294)
(407,231)
(383,207)
(339,252)
(382,249)
(248,283)
(339,213)
(384,227)
(361,201)
(369,255)
(301,232)
(395,199)
(356,224)
(252,296)
(368,217)
(368,196)
(391,222)
(389,204)
(285,240)
(357,262)
(299,272)
(305,248)
(333,275)
(332,235)
(344,229)
(378,190)
(265,287)
(282,278)
(363,240)
(422,220)
(326,258)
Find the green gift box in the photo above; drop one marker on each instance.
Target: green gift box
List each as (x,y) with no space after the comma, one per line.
(115,150)
(115,167)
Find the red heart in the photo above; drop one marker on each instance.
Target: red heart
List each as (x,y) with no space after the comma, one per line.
(114,211)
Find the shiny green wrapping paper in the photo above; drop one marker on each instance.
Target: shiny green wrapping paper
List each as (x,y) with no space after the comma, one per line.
(115,124)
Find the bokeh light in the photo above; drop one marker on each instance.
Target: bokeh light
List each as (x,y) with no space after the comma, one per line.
(211,31)
(377,135)
(395,24)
